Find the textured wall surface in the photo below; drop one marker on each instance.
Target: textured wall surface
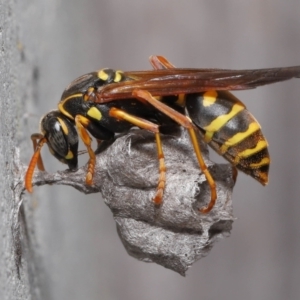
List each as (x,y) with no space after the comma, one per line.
(72,250)
(18,276)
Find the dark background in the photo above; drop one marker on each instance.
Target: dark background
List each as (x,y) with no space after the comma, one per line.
(80,253)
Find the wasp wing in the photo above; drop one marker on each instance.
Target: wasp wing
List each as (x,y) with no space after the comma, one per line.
(186,81)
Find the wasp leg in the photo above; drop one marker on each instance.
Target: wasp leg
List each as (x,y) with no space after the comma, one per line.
(34,161)
(34,138)
(160,62)
(82,122)
(188,124)
(122,115)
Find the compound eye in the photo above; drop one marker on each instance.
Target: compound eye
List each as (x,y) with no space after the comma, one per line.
(62,138)
(56,138)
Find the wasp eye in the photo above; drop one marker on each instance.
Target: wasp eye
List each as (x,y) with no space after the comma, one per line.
(62,138)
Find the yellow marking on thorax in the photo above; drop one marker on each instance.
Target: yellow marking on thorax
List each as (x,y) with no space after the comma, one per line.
(209,98)
(94,113)
(118,76)
(220,121)
(248,152)
(240,136)
(63,126)
(69,155)
(61,105)
(102,75)
(181,100)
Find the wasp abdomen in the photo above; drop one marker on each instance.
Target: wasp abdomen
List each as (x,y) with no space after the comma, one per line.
(230,129)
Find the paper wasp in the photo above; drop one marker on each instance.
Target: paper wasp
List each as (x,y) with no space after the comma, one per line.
(107,102)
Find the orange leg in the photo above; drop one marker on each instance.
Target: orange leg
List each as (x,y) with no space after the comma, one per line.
(162,172)
(34,138)
(122,115)
(160,62)
(188,124)
(81,122)
(34,161)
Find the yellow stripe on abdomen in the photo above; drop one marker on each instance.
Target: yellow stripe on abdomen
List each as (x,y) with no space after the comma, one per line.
(240,136)
(249,152)
(263,162)
(220,121)
(260,146)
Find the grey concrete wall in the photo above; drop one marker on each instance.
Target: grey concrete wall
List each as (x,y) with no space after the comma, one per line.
(73,251)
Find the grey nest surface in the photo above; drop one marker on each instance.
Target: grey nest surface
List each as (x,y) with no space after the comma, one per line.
(175,234)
